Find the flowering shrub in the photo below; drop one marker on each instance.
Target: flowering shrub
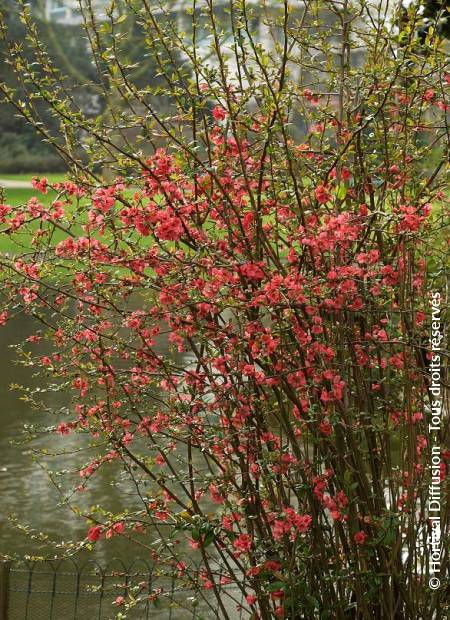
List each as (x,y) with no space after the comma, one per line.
(290,451)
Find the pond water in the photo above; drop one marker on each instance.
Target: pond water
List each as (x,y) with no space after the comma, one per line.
(25,489)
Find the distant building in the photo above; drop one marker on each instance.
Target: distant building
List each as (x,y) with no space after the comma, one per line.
(68,12)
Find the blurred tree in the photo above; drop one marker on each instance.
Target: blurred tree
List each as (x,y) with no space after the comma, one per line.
(21,147)
(436,13)
(68,47)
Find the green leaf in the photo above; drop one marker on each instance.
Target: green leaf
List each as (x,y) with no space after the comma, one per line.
(312,601)
(341,192)
(209,538)
(276,585)
(195,533)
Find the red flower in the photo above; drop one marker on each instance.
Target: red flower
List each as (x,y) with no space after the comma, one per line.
(216,496)
(360,537)
(310,96)
(119,527)
(63,429)
(170,227)
(4,211)
(252,271)
(40,184)
(322,195)
(219,113)
(325,428)
(243,543)
(272,565)
(302,522)
(181,567)
(94,533)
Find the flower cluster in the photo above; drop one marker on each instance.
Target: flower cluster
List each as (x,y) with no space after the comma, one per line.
(241,332)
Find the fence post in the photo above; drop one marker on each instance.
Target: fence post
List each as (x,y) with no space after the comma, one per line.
(5,568)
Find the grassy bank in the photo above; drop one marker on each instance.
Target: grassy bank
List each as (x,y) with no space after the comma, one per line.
(19,196)
(56,177)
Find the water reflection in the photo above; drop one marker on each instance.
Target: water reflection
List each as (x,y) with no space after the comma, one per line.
(25,487)
(26,491)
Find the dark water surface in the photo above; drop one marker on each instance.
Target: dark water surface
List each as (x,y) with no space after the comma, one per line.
(27,493)
(25,488)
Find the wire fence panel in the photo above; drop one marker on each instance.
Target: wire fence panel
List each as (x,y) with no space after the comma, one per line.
(57,591)
(65,590)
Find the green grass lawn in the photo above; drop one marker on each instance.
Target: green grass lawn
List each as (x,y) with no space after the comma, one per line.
(14,198)
(53,177)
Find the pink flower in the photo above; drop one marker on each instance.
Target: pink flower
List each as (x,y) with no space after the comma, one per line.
(169,228)
(104,198)
(4,211)
(302,522)
(119,527)
(322,195)
(310,96)
(279,529)
(243,543)
(63,429)
(216,496)
(94,533)
(325,428)
(40,184)
(363,210)
(360,537)
(219,113)
(194,544)
(181,567)
(252,271)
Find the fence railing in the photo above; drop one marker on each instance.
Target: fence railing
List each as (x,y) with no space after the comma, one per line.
(67,590)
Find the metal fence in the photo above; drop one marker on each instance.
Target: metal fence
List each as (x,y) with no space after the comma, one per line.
(66,590)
